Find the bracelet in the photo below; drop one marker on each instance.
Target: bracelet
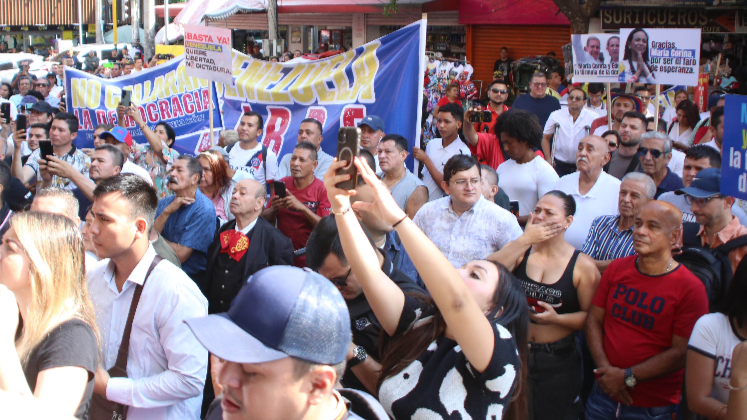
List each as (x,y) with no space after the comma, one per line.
(342,213)
(732,388)
(398,222)
(719,411)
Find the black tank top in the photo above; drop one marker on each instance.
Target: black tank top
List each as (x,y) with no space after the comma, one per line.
(561,295)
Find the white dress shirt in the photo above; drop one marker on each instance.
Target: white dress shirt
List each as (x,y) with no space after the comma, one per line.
(601,200)
(601,111)
(571,132)
(439,156)
(477,233)
(166,365)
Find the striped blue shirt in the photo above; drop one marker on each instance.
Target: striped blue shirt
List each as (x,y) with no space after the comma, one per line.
(606,242)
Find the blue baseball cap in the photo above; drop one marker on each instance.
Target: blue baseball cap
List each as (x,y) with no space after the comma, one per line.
(372,121)
(281,311)
(119,134)
(707,183)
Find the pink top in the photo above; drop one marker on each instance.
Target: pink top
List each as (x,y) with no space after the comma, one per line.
(218,203)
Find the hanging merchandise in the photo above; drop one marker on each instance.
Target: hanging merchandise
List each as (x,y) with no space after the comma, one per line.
(439,74)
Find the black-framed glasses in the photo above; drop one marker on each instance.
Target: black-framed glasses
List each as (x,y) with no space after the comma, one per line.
(344,282)
(501,91)
(41,85)
(655,153)
(613,144)
(701,202)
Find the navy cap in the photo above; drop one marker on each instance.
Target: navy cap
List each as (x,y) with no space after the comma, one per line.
(706,183)
(43,106)
(713,100)
(372,121)
(281,311)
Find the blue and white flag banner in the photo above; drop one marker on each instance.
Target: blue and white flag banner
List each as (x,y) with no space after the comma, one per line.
(383,78)
(162,94)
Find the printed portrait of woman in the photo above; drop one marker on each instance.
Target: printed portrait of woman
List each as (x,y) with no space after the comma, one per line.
(635,65)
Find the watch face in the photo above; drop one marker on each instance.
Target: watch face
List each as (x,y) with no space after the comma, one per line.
(630,381)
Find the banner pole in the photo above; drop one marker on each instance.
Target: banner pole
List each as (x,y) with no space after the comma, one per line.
(609,107)
(210,114)
(656,108)
(718,66)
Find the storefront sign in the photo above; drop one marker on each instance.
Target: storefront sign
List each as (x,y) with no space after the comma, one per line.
(162,94)
(708,20)
(673,3)
(207,53)
(595,57)
(662,56)
(734,149)
(383,78)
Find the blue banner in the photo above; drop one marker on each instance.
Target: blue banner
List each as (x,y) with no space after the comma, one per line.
(383,78)
(734,148)
(162,94)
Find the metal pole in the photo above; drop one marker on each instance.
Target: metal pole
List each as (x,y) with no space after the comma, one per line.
(135,20)
(656,108)
(99,18)
(80,22)
(609,107)
(166,26)
(149,28)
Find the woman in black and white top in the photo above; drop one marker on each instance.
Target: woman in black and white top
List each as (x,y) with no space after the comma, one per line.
(709,356)
(463,350)
(53,357)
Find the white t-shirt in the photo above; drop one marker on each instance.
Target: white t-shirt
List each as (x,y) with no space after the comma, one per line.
(677,162)
(601,200)
(249,163)
(439,155)
(132,168)
(526,182)
(714,337)
(712,143)
(669,115)
(601,129)
(683,137)
(601,111)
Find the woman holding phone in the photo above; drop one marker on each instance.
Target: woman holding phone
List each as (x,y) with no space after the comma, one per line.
(559,283)
(54,355)
(635,66)
(469,338)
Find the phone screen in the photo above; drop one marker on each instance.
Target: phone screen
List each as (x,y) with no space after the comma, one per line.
(280,189)
(45,149)
(348,147)
(5,109)
(514,208)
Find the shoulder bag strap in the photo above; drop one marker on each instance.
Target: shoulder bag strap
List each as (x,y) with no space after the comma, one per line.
(124,347)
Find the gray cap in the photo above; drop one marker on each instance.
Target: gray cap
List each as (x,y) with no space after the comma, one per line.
(281,311)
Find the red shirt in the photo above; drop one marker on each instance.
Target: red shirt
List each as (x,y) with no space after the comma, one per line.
(489,150)
(293,223)
(443,101)
(643,312)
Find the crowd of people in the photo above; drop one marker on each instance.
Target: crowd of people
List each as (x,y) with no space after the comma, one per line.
(544,266)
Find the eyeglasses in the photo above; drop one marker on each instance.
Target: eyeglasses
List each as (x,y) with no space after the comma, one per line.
(575,98)
(613,144)
(700,201)
(501,91)
(344,282)
(655,153)
(539,84)
(41,85)
(462,183)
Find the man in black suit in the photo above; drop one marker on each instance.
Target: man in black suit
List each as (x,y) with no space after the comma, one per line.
(243,246)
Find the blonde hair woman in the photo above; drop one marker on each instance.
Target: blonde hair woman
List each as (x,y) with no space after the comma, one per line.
(54,355)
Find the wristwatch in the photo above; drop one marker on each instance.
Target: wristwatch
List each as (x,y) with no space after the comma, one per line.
(630,380)
(359,356)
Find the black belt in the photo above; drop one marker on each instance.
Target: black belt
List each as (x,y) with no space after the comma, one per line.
(562,344)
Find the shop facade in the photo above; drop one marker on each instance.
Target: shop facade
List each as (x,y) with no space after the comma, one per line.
(38,23)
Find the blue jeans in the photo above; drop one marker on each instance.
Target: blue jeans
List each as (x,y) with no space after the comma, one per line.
(601,407)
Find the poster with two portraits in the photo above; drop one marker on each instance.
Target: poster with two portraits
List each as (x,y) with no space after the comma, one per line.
(638,55)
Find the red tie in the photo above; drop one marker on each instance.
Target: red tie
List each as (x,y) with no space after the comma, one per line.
(234,243)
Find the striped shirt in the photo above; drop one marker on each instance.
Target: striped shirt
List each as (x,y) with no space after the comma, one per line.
(606,242)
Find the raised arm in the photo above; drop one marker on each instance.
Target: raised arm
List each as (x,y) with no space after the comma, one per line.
(467,322)
(150,135)
(468,129)
(386,299)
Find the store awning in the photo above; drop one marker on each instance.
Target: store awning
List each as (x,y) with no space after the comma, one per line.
(194,11)
(510,12)
(174,9)
(175,32)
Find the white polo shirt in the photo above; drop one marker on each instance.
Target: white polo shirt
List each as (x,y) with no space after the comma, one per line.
(571,132)
(440,155)
(601,200)
(132,168)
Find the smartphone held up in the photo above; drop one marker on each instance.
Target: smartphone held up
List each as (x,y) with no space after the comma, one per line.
(348,148)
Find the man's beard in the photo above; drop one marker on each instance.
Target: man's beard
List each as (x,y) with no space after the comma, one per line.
(496,102)
(630,143)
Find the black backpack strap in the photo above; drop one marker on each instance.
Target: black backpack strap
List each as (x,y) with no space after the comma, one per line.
(229,147)
(690,234)
(732,244)
(264,160)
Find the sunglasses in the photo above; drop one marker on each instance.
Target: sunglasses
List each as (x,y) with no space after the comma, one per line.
(341,283)
(501,91)
(41,85)
(575,98)
(613,144)
(539,84)
(655,153)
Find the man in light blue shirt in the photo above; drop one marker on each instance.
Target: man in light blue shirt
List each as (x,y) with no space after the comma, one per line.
(464,225)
